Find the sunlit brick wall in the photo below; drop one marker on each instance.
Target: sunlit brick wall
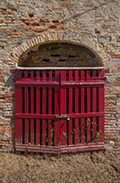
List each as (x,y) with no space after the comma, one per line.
(93,23)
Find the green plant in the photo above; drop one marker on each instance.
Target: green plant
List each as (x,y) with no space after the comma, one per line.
(52,132)
(65,134)
(97,135)
(88,122)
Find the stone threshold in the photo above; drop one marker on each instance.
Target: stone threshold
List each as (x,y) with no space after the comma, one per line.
(59,68)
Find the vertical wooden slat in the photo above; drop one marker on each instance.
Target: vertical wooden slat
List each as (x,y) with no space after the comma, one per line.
(50,110)
(37,112)
(37,75)
(18,109)
(32,120)
(26,132)
(88,109)
(32,111)
(44,110)
(56,105)
(101,109)
(82,108)
(94,109)
(76,109)
(26,111)
(63,110)
(70,109)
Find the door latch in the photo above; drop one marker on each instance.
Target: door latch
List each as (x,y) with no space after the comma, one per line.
(63,117)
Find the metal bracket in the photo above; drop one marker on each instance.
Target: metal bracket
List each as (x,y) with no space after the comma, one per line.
(62,117)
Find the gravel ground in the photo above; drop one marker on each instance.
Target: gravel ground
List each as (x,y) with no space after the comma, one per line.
(97,168)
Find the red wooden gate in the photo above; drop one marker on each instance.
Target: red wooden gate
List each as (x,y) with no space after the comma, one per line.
(59,111)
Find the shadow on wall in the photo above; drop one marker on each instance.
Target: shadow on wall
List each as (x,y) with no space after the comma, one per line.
(9,81)
(9,134)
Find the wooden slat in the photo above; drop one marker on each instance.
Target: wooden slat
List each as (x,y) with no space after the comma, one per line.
(76,109)
(18,122)
(63,110)
(26,104)
(18,108)
(52,116)
(94,109)
(101,73)
(82,83)
(88,109)
(32,76)
(70,110)
(82,148)
(101,109)
(32,109)
(50,110)
(37,75)
(44,110)
(56,108)
(32,120)
(64,148)
(34,84)
(37,112)
(26,111)
(82,108)
(18,75)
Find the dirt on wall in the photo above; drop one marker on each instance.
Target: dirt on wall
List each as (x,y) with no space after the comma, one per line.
(97,168)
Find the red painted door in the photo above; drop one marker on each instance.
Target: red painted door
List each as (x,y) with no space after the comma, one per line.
(81,110)
(59,111)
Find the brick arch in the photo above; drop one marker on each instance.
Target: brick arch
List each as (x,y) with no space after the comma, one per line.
(20,52)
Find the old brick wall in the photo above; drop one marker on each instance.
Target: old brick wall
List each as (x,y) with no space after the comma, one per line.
(94,23)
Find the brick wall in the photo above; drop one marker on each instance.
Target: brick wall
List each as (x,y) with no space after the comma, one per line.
(25,24)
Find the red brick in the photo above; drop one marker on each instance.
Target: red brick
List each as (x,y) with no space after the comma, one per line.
(52,27)
(118,40)
(31,14)
(14,33)
(55,21)
(35,24)
(110,20)
(38,30)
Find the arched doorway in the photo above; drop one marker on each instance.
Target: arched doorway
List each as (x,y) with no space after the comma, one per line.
(59,99)
(60,54)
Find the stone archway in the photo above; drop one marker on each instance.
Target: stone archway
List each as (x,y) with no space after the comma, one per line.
(60,54)
(22,52)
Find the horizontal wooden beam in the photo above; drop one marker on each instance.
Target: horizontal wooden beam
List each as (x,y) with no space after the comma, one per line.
(52,116)
(63,84)
(83,83)
(60,149)
(30,83)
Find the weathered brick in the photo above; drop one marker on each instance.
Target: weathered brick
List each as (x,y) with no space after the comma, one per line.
(79,22)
